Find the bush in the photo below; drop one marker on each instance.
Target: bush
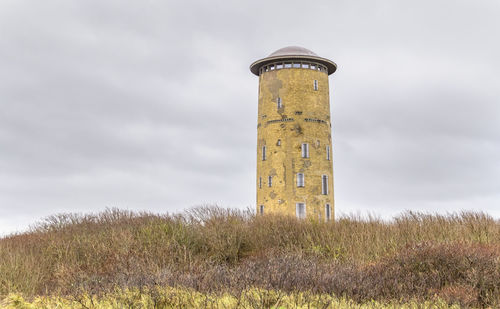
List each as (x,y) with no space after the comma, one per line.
(213,250)
(186,298)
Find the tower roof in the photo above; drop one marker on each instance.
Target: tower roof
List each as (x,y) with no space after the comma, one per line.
(293,53)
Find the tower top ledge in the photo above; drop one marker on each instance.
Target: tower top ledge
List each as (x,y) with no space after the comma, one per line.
(292,53)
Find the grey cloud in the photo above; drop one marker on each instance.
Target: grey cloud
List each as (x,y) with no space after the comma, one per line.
(150,105)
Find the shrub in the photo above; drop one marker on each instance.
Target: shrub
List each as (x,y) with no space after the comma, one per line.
(214,250)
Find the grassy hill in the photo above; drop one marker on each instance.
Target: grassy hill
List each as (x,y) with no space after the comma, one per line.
(220,257)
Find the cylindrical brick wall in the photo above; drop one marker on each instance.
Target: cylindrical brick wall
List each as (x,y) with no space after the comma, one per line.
(294,109)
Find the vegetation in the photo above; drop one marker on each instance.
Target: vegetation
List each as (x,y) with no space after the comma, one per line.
(233,258)
(185,298)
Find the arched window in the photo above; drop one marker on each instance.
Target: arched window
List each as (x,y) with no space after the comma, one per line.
(300,210)
(324,184)
(300,180)
(305,150)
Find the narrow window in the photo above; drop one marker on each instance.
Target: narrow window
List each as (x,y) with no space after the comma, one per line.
(278,100)
(305,150)
(327,212)
(300,180)
(324,184)
(260,182)
(270,181)
(300,210)
(278,143)
(328,153)
(315,84)
(261,209)
(263,153)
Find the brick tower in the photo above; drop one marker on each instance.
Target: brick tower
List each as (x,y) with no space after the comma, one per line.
(294,141)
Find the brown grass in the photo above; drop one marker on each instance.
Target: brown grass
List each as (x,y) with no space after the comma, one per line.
(455,257)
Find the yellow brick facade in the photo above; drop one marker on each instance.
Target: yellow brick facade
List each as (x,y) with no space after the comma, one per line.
(303,118)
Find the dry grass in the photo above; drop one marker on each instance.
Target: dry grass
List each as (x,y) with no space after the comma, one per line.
(213,250)
(174,298)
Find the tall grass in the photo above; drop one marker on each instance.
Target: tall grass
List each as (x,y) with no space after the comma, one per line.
(174,298)
(216,250)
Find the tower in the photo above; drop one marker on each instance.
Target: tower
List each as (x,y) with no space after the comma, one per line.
(294,142)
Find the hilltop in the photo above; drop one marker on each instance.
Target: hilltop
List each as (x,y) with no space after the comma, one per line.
(214,251)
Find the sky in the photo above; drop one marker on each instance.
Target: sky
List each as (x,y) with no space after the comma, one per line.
(150,105)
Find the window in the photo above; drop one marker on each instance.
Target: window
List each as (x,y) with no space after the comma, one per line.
(261,209)
(300,180)
(278,143)
(315,84)
(278,100)
(300,210)
(324,184)
(260,182)
(263,153)
(327,212)
(328,153)
(305,150)
(270,181)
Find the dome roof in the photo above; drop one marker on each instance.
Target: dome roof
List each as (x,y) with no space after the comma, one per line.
(293,53)
(293,50)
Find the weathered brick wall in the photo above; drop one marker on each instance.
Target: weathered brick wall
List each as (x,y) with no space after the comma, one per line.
(303,118)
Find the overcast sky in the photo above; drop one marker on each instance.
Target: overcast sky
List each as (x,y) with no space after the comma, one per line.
(150,105)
